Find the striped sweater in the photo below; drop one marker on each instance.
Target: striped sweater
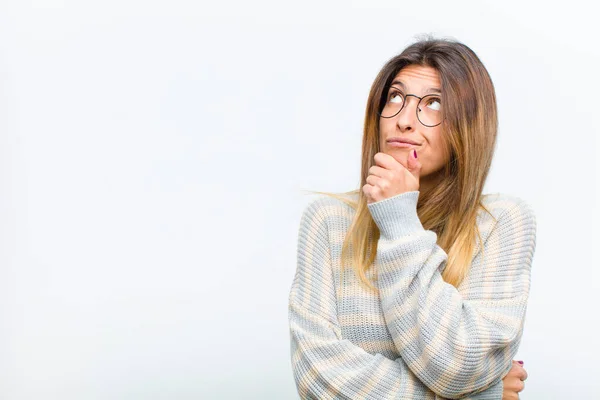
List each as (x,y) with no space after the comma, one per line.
(419,337)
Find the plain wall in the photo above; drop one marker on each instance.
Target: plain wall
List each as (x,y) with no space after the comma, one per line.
(153,157)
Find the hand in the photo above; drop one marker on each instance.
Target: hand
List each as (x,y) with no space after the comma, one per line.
(388,177)
(514,382)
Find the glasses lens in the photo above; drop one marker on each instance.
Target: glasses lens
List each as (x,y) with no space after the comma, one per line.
(430,110)
(393,104)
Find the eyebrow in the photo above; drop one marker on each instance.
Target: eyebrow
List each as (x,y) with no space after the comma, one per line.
(430,90)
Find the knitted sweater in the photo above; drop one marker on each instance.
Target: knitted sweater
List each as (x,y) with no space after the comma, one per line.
(420,337)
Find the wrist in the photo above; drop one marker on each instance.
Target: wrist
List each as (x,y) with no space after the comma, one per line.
(397,216)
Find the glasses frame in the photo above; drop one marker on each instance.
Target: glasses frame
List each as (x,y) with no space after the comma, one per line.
(416,110)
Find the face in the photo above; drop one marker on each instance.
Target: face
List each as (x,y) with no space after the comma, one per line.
(431,150)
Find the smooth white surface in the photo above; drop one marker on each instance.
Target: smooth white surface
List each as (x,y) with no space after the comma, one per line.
(153,157)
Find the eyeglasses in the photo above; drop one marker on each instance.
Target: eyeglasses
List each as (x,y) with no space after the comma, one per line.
(429,109)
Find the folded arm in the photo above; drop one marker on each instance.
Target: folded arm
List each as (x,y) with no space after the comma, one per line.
(325,365)
(455,345)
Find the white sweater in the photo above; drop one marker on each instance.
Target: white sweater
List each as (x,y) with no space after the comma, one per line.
(420,338)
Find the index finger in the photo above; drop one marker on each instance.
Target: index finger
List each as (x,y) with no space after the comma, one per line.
(522,374)
(387,161)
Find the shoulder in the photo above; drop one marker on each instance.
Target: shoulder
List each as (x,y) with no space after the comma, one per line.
(324,209)
(505,205)
(513,217)
(323,219)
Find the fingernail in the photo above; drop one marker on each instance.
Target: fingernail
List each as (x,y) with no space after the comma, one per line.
(520,362)
(414,151)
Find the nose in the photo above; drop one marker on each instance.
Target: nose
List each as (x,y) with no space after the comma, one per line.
(407,118)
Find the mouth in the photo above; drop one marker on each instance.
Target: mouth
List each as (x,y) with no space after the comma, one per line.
(395,143)
(403,141)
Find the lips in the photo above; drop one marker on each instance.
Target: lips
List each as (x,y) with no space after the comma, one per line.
(403,140)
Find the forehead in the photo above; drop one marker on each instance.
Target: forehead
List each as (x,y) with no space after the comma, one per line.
(417,76)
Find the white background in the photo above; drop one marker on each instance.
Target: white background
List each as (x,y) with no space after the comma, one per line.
(153,162)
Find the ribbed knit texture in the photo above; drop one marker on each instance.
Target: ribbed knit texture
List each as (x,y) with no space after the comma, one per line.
(420,338)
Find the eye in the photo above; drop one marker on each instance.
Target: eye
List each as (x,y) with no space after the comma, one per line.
(395,97)
(434,104)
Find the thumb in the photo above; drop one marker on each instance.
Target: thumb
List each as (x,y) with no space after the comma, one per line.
(414,166)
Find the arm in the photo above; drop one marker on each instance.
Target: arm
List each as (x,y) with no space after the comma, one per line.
(454,345)
(325,365)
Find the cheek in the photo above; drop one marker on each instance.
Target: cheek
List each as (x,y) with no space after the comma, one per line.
(432,154)
(435,144)
(384,129)
(383,126)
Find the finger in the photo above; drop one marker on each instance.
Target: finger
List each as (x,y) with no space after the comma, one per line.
(515,385)
(514,370)
(522,374)
(371,191)
(518,371)
(375,180)
(378,171)
(386,161)
(414,165)
(367,191)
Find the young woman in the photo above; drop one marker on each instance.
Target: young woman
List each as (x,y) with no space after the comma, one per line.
(434,304)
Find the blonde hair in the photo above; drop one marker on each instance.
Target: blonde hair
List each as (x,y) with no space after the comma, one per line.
(469,131)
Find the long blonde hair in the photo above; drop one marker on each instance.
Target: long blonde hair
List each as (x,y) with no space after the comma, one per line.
(469,130)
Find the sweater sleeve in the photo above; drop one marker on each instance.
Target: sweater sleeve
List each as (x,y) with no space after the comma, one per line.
(325,365)
(455,345)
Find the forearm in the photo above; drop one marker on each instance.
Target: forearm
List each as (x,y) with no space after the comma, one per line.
(455,345)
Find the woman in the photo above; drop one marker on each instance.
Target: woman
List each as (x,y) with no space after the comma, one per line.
(436,302)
